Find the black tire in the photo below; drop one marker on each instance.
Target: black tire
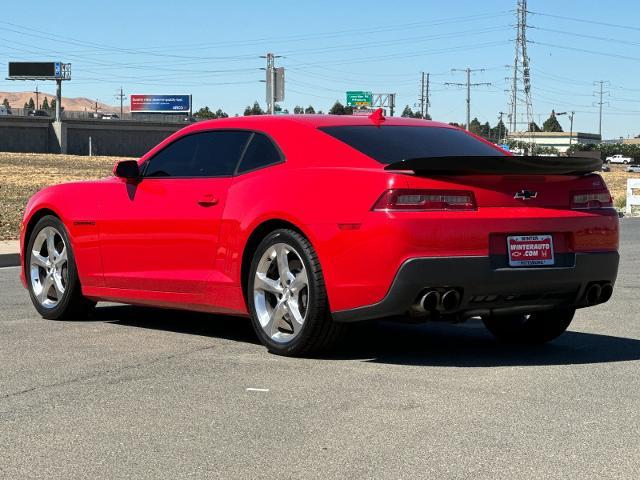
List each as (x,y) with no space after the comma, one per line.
(319,332)
(536,328)
(72,305)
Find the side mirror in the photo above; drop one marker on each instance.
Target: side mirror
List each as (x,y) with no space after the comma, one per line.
(127,169)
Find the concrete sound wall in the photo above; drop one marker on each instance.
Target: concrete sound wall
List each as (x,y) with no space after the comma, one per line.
(25,134)
(116,138)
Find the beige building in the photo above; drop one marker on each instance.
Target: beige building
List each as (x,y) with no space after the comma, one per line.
(557,140)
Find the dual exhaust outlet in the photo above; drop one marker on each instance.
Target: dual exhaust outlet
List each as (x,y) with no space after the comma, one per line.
(598,293)
(433,300)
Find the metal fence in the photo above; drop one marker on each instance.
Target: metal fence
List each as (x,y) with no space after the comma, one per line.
(106,116)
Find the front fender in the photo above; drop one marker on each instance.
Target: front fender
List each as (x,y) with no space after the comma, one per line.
(76,205)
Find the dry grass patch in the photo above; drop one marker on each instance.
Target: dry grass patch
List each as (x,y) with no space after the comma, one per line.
(617,180)
(23,174)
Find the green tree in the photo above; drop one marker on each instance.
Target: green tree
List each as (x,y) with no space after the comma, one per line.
(5,102)
(551,124)
(254,110)
(499,132)
(456,124)
(475,126)
(407,112)
(310,110)
(533,127)
(339,109)
(31,104)
(298,110)
(45,104)
(204,114)
(52,105)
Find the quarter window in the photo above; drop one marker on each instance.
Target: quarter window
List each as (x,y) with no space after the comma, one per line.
(261,152)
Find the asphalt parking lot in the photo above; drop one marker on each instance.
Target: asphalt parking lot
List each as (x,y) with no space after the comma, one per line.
(143,393)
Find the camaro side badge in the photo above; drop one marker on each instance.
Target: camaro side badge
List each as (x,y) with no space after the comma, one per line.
(525,195)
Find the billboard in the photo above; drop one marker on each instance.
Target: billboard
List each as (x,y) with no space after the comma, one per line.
(160,103)
(36,70)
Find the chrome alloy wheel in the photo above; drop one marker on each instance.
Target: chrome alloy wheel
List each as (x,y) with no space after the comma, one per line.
(48,267)
(281,292)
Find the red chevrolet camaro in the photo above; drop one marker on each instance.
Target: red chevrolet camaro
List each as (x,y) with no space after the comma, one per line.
(307,222)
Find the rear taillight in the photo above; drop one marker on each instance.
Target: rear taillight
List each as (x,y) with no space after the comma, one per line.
(591,199)
(422,200)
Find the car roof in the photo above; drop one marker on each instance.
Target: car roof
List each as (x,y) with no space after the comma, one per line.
(317,120)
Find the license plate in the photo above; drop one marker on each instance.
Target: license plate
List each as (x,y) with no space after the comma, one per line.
(530,250)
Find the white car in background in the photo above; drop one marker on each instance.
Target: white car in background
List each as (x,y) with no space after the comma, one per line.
(635,168)
(619,159)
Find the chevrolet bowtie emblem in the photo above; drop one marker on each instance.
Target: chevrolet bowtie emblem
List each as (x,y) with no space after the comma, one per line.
(525,195)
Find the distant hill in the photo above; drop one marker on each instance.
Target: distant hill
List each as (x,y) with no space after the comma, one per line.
(18,99)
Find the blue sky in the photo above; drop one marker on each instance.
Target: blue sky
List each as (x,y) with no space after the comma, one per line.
(212,50)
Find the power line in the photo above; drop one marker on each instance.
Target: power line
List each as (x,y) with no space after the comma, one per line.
(583,35)
(582,20)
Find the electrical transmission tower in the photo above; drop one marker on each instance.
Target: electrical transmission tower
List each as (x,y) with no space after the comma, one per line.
(521,81)
(468,85)
(600,103)
(424,96)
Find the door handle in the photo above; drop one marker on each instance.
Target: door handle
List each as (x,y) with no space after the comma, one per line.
(208,201)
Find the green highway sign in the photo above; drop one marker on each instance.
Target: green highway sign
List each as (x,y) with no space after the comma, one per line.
(359,99)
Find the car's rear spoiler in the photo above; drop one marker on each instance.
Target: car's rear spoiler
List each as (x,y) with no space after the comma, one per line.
(499,165)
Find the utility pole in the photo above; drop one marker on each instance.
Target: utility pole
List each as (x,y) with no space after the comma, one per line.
(271,81)
(122,98)
(599,103)
(571,127)
(37,92)
(500,124)
(468,85)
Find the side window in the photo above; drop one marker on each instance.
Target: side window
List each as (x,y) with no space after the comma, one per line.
(173,160)
(204,154)
(261,152)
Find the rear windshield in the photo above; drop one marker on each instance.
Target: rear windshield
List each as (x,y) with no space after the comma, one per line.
(393,143)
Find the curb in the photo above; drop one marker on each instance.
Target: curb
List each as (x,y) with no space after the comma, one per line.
(9,260)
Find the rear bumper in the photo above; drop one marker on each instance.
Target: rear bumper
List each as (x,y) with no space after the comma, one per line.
(487,285)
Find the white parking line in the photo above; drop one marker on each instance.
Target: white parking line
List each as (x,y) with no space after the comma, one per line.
(257,389)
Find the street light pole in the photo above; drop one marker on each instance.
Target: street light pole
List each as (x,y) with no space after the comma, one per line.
(571,127)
